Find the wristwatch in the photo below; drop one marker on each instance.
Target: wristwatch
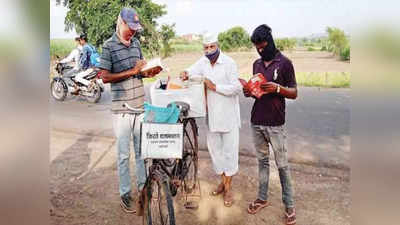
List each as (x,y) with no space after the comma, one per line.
(278,89)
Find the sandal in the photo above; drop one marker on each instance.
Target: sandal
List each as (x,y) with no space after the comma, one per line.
(256,206)
(291,219)
(228,198)
(220,189)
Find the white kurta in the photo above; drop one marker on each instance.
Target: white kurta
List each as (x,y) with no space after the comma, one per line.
(223,111)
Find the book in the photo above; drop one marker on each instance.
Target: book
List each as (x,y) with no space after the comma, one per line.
(153,63)
(254,84)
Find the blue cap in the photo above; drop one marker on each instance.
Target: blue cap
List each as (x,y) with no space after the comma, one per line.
(130,17)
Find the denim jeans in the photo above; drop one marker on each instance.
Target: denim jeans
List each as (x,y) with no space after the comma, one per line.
(262,137)
(123,129)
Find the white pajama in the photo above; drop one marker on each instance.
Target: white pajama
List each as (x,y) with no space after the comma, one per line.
(80,77)
(224,150)
(223,117)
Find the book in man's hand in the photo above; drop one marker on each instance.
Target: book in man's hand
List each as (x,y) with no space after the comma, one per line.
(152,64)
(254,84)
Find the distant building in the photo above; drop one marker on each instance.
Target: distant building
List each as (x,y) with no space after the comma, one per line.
(191,37)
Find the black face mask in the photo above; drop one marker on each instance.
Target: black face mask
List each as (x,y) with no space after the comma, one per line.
(213,56)
(268,52)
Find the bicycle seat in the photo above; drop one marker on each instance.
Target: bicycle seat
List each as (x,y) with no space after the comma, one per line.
(183,106)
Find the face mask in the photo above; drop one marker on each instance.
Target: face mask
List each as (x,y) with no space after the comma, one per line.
(268,52)
(212,56)
(123,34)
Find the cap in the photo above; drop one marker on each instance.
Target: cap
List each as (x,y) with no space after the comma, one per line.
(209,38)
(131,17)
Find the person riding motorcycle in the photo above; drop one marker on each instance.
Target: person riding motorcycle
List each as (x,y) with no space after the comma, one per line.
(73,57)
(85,64)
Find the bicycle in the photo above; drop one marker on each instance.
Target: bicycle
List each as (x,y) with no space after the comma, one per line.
(166,176)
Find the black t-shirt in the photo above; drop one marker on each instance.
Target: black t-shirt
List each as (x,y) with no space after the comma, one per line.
(269,110)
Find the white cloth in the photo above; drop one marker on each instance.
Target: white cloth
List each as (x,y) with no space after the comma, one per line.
(224,151)
(74,56)
(209,38)
(223,105)
(80,77)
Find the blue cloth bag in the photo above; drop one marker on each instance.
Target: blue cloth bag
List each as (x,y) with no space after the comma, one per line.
(160,114)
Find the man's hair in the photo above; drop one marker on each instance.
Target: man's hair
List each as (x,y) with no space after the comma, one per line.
(260,34)
(83,37)
(77,38)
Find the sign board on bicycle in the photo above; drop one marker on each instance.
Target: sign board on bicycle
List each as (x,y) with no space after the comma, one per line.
(161,140)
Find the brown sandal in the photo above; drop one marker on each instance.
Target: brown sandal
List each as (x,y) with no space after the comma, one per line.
(256,206)
(291,219)
(228,195)
(228,198)
(220,189)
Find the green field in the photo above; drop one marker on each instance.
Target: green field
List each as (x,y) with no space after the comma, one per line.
(319,79)
(186,53)
(61,47)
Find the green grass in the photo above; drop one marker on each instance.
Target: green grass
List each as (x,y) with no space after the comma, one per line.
(319,79)
(61,47)
(191,47)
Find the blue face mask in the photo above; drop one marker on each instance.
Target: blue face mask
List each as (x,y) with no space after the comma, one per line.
(213,55)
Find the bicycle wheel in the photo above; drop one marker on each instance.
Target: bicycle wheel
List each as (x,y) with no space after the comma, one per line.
(190,157)
(160,208)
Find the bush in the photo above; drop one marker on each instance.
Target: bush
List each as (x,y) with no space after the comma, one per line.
(345,53)
(233,39)
(324,48)
(285,44)
(310,49)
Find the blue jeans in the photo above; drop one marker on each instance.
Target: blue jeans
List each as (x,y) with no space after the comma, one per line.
(262,137)
(123,129)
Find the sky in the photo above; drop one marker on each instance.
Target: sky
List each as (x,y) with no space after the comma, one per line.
(287,18)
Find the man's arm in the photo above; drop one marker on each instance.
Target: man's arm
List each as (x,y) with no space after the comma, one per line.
(194,70)
(106,67)
(109,77)
(289,90)
(234,87)
(70,57)
(83,58)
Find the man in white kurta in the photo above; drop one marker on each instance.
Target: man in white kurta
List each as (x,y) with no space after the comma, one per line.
(220,75)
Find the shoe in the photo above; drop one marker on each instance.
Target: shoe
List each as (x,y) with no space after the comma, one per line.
(126,204)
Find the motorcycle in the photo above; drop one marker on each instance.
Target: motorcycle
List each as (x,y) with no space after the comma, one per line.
(60,86)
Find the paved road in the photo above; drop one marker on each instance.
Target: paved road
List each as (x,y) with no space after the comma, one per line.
(318,124)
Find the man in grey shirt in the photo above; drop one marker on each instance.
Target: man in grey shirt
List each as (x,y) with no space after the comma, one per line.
(121,62)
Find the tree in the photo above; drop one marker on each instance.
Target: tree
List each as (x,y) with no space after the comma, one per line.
(338,43)
(167,33)
(235,38)
(97,18)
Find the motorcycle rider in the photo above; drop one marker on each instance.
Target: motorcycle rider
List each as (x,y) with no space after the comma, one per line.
(84,62)
(74,56)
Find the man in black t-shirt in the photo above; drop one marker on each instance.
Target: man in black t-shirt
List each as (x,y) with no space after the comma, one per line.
(268,118)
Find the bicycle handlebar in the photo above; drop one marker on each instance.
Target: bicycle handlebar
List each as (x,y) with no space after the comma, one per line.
(134,110)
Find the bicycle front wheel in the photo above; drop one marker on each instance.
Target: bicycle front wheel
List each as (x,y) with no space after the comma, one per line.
(160,208)
(190,157)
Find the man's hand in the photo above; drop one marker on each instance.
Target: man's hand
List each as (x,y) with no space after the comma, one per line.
(138,67)
(152,72)
(184,75)
(246,92)
(209,84)
(269,87)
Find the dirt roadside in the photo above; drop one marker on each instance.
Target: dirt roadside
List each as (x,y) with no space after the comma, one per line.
(84,189)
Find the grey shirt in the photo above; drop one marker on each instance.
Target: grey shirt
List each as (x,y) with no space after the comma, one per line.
(116,57)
